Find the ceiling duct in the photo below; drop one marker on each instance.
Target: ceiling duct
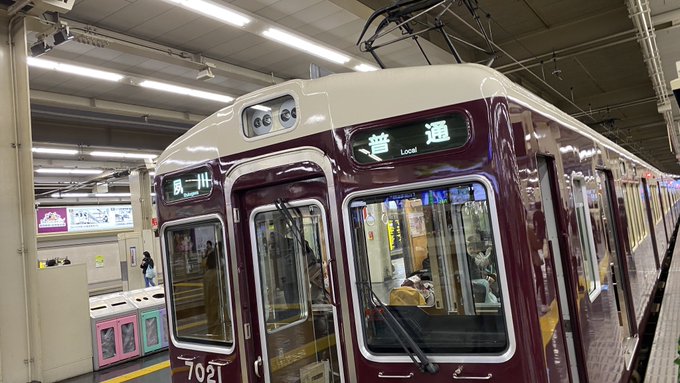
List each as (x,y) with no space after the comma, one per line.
(640,14)
(39,7)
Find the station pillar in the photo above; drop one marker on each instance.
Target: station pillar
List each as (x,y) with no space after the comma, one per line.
(132,245)
(20,348)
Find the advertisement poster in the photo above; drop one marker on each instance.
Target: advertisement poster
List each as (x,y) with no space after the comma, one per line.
(78,219)
(52,220)
(99,261)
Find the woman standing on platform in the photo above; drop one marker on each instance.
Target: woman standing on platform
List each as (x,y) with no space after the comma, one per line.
(148,270)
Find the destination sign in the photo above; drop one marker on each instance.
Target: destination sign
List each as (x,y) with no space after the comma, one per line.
(432,135)
(188,185)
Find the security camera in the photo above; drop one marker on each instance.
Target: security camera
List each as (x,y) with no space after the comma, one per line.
(675,84)
(205,74)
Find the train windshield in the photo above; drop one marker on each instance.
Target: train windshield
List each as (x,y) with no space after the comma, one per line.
(429,257)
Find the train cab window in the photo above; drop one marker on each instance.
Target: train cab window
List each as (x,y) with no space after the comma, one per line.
(199,294)
(429,256)
(585,234)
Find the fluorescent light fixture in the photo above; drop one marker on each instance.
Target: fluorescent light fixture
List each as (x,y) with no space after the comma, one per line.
(112,195)
(215,11)
(186,91)
(365,68)
(305,45)
(70,195)
(73,69)
(144,156)
(70,152)
(68,171)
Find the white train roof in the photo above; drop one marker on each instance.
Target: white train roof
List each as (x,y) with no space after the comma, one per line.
(342,100)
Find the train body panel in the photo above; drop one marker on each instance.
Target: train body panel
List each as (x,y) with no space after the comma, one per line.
(527,265)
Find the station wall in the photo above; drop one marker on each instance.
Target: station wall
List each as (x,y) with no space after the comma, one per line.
(85,251)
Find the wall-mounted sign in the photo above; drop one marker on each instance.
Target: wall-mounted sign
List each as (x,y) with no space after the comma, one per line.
(76,219)
(52,220)
(133,256)
(187,185)
(432,135)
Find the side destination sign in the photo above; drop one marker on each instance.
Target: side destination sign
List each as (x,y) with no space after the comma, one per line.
(431,135)
(187,185)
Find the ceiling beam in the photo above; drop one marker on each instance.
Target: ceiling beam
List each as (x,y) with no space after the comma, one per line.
(556,27)
(667,17)
(538,15)
(39,97)
(172,55)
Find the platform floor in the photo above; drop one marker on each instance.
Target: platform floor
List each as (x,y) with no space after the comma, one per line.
(154,368)
(661,368)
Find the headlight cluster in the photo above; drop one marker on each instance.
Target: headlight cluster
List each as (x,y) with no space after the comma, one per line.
(269,117)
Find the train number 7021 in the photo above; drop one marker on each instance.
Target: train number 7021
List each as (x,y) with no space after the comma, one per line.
(204,374)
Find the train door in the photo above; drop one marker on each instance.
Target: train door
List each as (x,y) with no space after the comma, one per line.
(617,268)
(567,312)
(287,241)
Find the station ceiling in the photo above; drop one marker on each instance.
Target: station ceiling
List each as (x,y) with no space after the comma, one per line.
(581,55)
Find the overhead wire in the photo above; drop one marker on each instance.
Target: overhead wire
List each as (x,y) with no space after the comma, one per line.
(636,147)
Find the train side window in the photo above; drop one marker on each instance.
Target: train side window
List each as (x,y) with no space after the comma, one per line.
(657,203)
(630,215)
(585,234)
(430,256)
(199,293)
(639,197)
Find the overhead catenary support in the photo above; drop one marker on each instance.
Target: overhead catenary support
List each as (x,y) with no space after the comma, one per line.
(568,52)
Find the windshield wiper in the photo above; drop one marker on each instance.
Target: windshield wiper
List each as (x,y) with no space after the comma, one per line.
(290,221)
(405,340)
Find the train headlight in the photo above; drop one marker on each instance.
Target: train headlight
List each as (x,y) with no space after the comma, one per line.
(270,116)
(287,113)
(261,122)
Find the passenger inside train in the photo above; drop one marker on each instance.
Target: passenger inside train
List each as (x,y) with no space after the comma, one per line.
(438,274)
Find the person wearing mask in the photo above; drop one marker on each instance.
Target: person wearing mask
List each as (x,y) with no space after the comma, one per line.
(148,270)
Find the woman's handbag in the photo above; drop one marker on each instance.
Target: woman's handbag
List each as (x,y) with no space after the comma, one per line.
(150,272)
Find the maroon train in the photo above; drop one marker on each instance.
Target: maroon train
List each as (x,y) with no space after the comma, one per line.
(419,224)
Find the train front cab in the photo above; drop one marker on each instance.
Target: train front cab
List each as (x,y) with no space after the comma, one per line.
(499,259)
(331,280)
